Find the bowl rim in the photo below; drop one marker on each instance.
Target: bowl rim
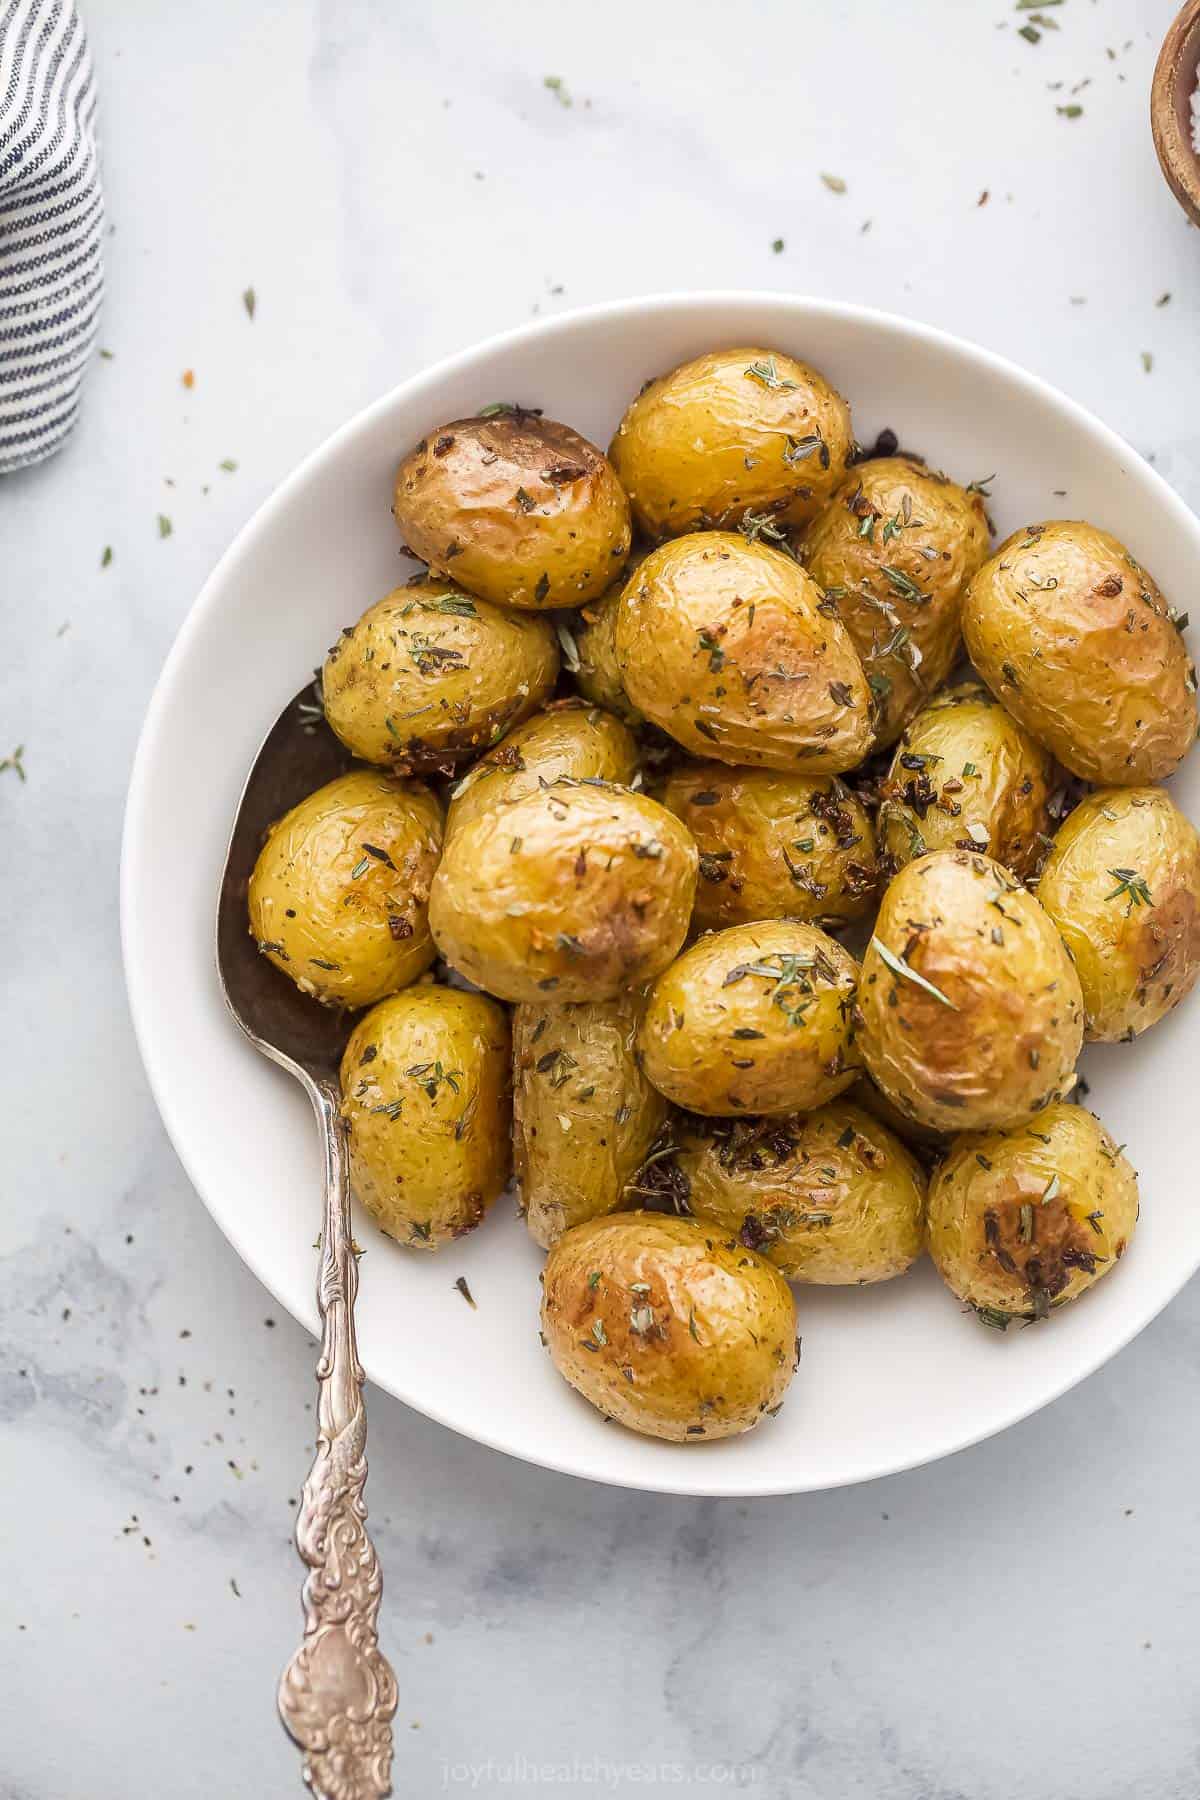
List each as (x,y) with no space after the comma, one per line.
(686,1476)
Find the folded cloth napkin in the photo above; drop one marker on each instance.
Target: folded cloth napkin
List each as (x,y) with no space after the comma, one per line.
(51,225)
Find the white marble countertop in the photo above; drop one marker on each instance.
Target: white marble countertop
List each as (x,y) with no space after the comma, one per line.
(395,182)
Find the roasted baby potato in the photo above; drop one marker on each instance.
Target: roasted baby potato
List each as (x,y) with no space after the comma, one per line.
(576,892)
(731,648)
(757,1019)
(966,776)
(569,738)
(668,1326)
(728,435)
(1021,1221)
(429,676)
(829,1196)
(584,1115)
(338,897)
(1122,883)
(773,845)
(971,1009)
(895,547)
(519,509)
(598,676)
(426,1100)
(1077,641)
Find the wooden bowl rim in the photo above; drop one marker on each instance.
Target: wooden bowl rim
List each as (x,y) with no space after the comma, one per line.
(1170,108)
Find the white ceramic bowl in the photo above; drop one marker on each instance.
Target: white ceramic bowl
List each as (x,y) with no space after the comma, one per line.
(891,1376)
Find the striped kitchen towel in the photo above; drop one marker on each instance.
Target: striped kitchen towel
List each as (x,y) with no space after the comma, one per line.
(51,225)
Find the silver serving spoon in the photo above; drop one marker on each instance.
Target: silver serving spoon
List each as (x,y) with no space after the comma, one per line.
(337,1695)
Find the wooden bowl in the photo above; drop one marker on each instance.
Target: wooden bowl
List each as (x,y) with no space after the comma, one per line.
(1171,108)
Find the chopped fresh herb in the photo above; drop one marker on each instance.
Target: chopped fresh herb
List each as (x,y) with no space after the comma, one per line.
(1030,33)
(898,966)
(15,763)
(360,868)
(107,557)
(165,526)
(598,1331)
(594,1280)
(1051,1190)
(558,88)
(841,693)
(228,464)
(464,1290)
(1147,361)
(692,1324)
(1132,887)
(769,375)
(834,183)
(777,245)
(1073,111)
(250,302)
(900,584)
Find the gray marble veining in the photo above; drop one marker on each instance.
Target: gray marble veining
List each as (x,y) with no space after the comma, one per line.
(395,182)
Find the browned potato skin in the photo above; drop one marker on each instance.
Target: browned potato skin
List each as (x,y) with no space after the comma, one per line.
(773,845)
(575,893)
(348,924)
(920,510)
(710,442)
(598,676)
(584,1115)
(830,1197)
(688,1335)
(426,1100)
(929,802)
(724,644)
(720,1038)
(1077,641)
(421,682)
(1001,1244)
(569,738)
(1007,1042)
(520,510)
(1136,960)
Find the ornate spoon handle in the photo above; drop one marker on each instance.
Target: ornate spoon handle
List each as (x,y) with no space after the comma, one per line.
(337,1695)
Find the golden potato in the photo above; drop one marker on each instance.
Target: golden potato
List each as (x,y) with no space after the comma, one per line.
(895,548)
(577,891)
(966,776)
(734,433)
(1021,1221)
(829,1196)
(426,1100)
(926,1144)
(1122,883)
(569,738)
(756,1019)
(971,1009)
(338,897)
(598,676)
(1075,638)
(584,1115)
(429,675)
(774,845)
(519,509)
(668,1327)
(731,648)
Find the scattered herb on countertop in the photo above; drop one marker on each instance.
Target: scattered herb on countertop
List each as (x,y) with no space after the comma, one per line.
(16,763)
(250,302)
(107,557)
(165,527)
(558,88)
(834,183)
(464,1290)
